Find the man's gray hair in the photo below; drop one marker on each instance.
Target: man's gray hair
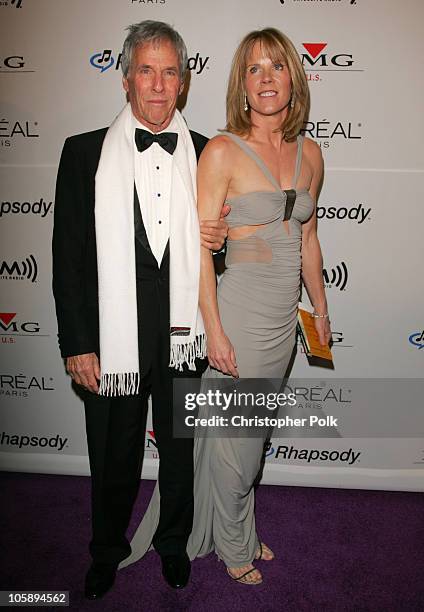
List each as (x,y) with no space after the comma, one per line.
(148,31)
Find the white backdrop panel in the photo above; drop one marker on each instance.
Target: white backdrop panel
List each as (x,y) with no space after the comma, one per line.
(366,116)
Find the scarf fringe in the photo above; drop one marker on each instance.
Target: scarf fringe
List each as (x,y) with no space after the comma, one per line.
(187,353)
(126,383)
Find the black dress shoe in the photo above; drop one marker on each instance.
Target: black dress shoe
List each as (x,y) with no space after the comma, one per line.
(176,570)
(100,578)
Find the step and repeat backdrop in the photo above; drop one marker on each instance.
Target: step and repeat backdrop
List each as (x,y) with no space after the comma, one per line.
(60,75)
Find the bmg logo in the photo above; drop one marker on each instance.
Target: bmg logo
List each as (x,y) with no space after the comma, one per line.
(14,62)
(315,56)
(17,327)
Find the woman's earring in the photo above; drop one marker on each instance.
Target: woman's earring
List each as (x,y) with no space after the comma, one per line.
(292,101)
(246,105)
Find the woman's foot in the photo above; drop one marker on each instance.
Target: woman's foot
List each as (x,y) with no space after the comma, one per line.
(264,553)
(245,575)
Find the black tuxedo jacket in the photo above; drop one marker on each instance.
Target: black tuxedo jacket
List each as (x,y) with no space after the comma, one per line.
(74,242)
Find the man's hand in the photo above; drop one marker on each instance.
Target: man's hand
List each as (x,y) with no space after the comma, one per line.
(214,233)
(85,370)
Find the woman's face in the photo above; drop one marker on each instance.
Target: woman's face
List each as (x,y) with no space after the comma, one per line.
(267,83)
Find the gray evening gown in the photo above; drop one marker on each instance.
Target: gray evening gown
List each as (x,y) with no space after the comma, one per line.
(257,298)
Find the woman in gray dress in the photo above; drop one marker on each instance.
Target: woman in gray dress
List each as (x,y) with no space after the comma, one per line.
(270,175)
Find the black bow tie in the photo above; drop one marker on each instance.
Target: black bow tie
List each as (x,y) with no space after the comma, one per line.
(144,139)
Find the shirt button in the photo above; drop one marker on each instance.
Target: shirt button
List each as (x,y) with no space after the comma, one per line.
(159,222)
(158,195)
(157,167)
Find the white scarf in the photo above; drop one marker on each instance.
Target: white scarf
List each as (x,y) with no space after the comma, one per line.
(114,213)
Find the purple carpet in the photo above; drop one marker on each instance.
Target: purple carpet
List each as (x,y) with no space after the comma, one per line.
(336,550)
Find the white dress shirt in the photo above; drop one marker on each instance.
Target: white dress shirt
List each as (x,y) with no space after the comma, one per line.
(153,176)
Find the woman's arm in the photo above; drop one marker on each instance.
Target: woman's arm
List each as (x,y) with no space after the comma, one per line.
(213,178)
(311,250)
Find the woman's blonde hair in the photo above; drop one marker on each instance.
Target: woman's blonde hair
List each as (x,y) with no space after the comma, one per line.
(278,48)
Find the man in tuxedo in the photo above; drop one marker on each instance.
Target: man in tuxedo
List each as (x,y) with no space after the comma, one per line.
(124,216)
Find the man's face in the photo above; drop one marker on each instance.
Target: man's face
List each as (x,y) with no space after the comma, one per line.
(153,83)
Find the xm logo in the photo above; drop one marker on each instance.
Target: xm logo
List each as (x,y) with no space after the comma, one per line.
(417,339)
(19,270)
(336,277)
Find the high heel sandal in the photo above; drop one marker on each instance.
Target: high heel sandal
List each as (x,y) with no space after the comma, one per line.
(264,549)
(242,579)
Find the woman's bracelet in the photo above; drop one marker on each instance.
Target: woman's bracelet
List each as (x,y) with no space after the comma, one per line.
(318,316)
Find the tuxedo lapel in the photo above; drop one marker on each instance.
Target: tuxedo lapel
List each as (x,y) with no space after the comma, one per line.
(199,142)
(139,229)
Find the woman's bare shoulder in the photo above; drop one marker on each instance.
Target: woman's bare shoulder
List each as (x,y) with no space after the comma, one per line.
(312,150)
(218,151)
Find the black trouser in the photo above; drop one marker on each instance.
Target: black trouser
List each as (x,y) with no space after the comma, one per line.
(115,435)
(116,428)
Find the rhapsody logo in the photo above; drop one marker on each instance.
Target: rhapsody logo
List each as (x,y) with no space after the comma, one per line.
(21,385)
(325,132)
(354,213)
(306,454)
(105,60)
(22,441)
(15,327)
(336,277)
(39,208)
(19,270)
(417,339)
(12,130)
(269,450)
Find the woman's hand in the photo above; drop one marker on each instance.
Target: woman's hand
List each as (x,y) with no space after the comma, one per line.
(221,354)
(322,325)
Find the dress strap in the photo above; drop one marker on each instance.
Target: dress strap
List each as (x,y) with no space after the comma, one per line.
(251,153)
(300,140)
